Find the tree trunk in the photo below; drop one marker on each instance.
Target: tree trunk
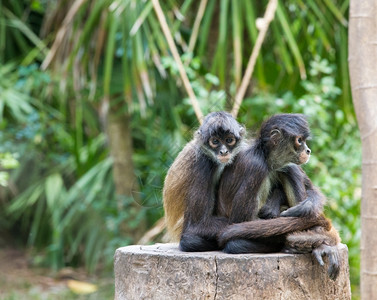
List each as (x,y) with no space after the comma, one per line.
(126,183)
(161,271)
(363,73)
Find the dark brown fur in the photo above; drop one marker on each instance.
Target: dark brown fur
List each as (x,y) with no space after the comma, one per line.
(273,227)
(262,179)
(264,175)
(190,187)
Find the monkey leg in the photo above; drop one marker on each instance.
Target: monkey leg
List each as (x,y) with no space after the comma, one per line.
(202,236)
(193,242)
(307,240)
(318,241)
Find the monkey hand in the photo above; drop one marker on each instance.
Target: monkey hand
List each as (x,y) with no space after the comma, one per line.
(303,209)
(266,213)
(332,254)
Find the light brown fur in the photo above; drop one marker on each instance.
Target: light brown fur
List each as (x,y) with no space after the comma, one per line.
(175,191)
(191,182)
(306,241)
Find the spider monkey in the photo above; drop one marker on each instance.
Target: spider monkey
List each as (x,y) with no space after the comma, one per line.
(189,192)
(192,213)
(265,177)
(317,240)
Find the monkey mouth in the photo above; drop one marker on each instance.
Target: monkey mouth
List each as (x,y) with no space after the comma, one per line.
(223,159)
(304,159)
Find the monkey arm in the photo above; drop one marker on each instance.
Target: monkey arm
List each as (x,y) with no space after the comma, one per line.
(274,202)
(308,200)
(311,206)
(269,228)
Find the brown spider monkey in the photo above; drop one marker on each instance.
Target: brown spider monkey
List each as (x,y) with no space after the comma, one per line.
(192,213)
(265,177)
(189,192)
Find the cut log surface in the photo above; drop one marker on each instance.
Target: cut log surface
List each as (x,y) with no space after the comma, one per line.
(162,271)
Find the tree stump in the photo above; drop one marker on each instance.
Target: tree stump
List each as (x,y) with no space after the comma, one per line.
(162,271)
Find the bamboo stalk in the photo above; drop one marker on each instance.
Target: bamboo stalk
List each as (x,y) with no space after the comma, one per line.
(195,29)
(177,58)
(62,33)
(267,18)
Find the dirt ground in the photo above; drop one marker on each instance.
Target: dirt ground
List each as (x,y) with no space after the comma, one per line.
(18,280)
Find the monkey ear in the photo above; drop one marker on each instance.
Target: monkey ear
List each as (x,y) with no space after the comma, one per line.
(199,134)
(275,135)
(242,130)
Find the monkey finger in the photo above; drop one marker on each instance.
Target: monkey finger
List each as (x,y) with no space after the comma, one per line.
(266,214)
(318,255)
(291,212)
(284,214)
(334,266)
(296,211)
(333,271)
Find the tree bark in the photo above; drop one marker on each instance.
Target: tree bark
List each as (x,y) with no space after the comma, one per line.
(161,271)
(363,73)
(126,183)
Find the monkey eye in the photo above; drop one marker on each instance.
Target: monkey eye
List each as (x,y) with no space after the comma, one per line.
(298,141)
(213,142)
(230,141)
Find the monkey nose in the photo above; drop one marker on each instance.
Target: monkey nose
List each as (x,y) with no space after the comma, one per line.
(308,151)
(224,152)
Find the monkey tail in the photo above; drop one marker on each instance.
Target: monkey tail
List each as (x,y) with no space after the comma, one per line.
(270,228)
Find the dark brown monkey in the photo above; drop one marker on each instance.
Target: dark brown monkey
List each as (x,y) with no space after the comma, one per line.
(191,183)
(318,240)
(266,176)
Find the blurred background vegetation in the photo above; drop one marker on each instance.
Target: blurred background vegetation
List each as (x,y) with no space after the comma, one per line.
(93,112)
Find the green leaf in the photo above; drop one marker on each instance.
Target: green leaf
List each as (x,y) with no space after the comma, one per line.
(53,189)
(237,41)
(337,13)
(291,39)
(110,52)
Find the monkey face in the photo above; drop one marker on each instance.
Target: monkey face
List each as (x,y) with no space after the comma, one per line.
(219,137)
(303,151)
(284,149)
(222,147)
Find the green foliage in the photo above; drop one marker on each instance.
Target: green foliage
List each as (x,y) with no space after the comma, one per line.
(7,162)
(204,84)
(60,183)
(13,101)
(64,204)
(18,38)
(300,31)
